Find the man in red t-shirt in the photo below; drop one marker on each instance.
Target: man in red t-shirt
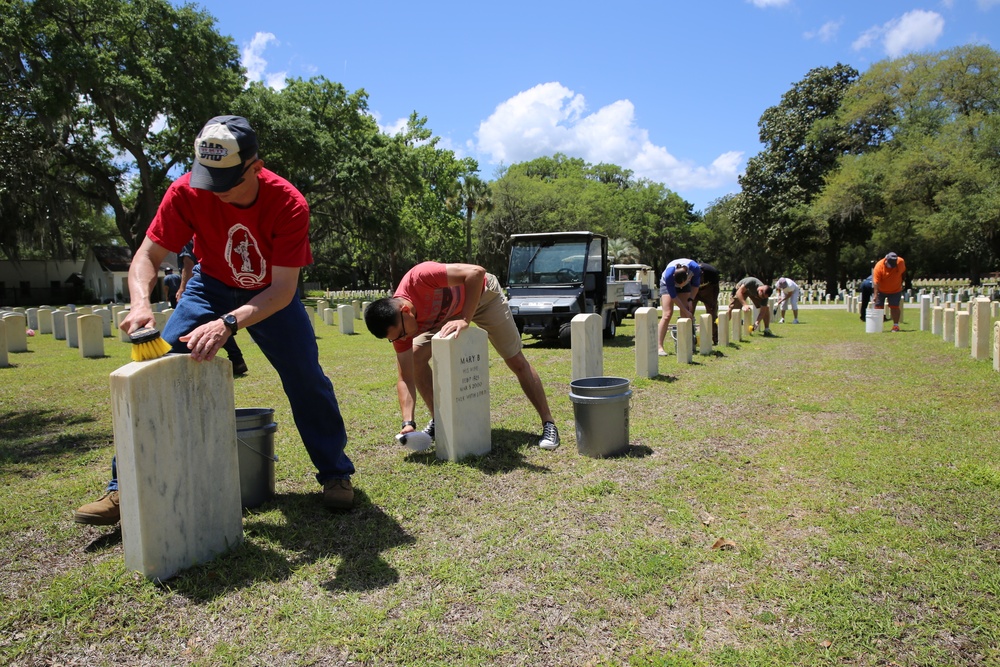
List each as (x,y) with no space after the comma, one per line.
(251,237)
(887,280)
(447,298)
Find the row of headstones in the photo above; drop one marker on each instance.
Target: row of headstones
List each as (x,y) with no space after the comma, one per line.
(586,339)
(340,315)
(965,327)
(966,324)
(939,294)
(352,295)
(83,327)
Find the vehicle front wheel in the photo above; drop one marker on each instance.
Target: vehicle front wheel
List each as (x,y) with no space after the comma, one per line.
(566,335)
(611,329)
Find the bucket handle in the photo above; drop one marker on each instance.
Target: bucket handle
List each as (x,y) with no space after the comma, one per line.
(270,428)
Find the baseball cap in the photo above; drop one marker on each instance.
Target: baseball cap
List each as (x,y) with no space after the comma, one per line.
(220,150)
(782,283)
(890,259)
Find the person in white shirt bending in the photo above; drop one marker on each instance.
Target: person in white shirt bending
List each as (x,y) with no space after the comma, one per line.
(789,297)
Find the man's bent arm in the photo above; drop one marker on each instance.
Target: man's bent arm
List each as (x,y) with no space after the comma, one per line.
(142,277)
(472,277)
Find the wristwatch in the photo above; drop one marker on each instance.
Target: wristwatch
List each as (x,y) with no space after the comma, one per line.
(230,321)
(408,422)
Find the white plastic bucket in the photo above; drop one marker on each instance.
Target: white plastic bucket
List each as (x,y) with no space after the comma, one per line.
(874,319)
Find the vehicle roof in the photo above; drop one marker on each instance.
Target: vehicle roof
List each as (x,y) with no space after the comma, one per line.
(555,234)
(632,266)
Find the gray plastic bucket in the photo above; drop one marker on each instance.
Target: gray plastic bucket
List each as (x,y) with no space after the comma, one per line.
(600,408)
(255,430)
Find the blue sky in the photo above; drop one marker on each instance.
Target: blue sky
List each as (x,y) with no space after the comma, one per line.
(671,90)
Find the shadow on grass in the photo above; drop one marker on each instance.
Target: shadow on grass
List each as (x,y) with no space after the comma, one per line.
(311,533)
(35,434)
(505,453)
(105,541)
(633,452)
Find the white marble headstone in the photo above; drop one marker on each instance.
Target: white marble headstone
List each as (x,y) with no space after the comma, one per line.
(329,315)
(44,321)
(32,315)
(356,305)
(105,315)
(937,320)
(962,321)
(647,360)
(925,312)
(3,345)
(90,336)
(72,333)
(723,328)
(345,316)
(461,372)
(980,346)
(587,351)
(685,340)
(59,324)
(17,337)
(705,340)
(996,347)
(178,468)
(948,331)
(122,334)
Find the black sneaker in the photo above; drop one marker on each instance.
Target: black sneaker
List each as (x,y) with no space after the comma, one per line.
(429,429)
(550,436)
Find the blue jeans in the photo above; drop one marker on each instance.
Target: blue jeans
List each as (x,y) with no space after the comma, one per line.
(286,338)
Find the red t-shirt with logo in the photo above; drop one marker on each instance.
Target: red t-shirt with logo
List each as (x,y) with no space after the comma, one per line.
(426,287)
(238,246)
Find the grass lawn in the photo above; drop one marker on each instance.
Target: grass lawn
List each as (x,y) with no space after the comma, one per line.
(856,477)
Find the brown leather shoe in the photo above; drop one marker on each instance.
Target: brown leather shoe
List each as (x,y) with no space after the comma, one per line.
(338,494)
(103,512)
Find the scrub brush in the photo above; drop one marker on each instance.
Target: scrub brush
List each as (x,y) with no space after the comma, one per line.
(147,344)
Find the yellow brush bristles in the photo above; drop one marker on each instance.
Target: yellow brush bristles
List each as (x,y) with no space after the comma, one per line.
(147,344)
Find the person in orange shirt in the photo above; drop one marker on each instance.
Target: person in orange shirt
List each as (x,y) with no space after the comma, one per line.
(887,278)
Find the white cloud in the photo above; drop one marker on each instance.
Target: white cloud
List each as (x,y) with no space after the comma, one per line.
(253,60)
(827,32)
(912,31)
(867,38)
(392,129)
(768,3)
(551,118)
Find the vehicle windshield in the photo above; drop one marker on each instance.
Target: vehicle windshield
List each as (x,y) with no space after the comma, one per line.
(633,289)
(547,262)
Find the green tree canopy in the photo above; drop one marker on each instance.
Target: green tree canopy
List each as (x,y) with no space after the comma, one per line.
(114,92)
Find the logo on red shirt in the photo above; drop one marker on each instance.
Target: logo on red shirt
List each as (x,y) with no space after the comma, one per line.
(245,259)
